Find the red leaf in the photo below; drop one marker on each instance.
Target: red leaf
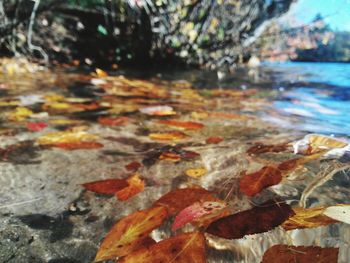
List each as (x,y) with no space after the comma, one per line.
(36,126)
(77,145)
(254,183)
(116,121)
(136,185)
(300,254)
(187,125)
(109,186)
(214,140)
(259,219)
(133,166)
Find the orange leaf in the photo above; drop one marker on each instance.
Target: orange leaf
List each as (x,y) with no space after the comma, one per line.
(36,126)
(254,183)
(300,254)
(178,199)
(308,218)
(109,186)
(184,248)
(136,185)
(170,156)
(77,145)
(258,219)
(168,136)
(187,125)
(129,233)
(214,140)
(116,121)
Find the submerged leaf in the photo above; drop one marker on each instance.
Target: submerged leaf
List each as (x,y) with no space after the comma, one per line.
(196,211)
(300,254)
(77,145)
(133,166)
(196,172)
(254,183)
(262,148)
(116,121)
(158,110)
(187,125)
(170,156)
(256,220)
(108,186)
(178,199)
(135,186)
(168,136)
(307,218)
(66,137)
(184,248)
(128,233)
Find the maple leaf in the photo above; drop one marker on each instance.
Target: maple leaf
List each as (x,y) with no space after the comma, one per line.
(129,232)
(300,254)
(178,199)
(184,248)
(256,220)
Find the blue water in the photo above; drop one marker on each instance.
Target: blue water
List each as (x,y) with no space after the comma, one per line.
(315,96)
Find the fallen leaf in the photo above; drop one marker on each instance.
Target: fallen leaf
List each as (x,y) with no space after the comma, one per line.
(339,212)
(307,218)
(184,248)
(36,126)
(196,211)
(66,137)
(168,136)
(300,254)
(187,125)
(101,73)
(313,143)
(178,199)
(108,186)
(253,183)
(116,121)
(129,232)
(170,156)
(262,148)
(256,220)
(189,155)
(135,186)
(133,166)
(71,146)
(214,140)
(20,114)
(158,110)
(196,172)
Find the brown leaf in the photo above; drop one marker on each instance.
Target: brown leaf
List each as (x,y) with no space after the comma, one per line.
(133,166)
(253,183)
(187,125)
(136,185)
(178,199)
(116,121)
(262,148)
(77,145)
(307,218)
(109,186)
(256,220)
(170,156)
(129,233)
(300,254)
(214,140)
(184,248)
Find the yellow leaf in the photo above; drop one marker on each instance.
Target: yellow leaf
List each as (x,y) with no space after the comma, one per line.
(20,114)
(196,172)
(66,137)
(128,233)
(168,136)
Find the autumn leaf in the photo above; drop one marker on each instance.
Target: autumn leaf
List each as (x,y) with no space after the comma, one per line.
(253,183)
(168,136)
(108,186)
(196,211)
(66,137)
(77,145)
(313,143)
(184,248)
(300,254)
(196,172)
(178,199)
(262,148)
(170,156)
(133,166)
(36,126)
(307,218)
(116,121)
(189,155)
(187,125)
(256,220)
(158,110)
(135,186)
(128,233)
(340,212)
(214,140)
(20,114)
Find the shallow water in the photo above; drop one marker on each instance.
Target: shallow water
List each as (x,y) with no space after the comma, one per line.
(47,216)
